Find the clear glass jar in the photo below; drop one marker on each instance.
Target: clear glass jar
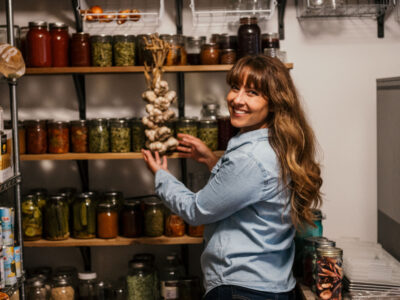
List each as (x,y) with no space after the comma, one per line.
(79,136)
(228,56)
(70,272)
(309,258)
(170,274)
(174,225)
(59,44)
(120,133)
(107,220)
(248,37)
(193,48)
(88,289)
(208,133)
(177,52)
(40,196)
(124,50)
(62,289)
(189,288)
(80,50)
(209,54)
(225,131)
(38,41)
(114,197)
(101,49)
(196,231)
(138,136)
(99,136)
(329,273)
(187,125)
(56,226)
(21,134)
(140,281)
(84,217)
(153,218)
(210,111)
(149,259)
(131,219)
(69,193)
(143,55)
(31,219)
(171,124)
(36,289)
(36,136)
(58,137)
(269,40)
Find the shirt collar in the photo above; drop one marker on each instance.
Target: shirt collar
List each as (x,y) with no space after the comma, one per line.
(246,137)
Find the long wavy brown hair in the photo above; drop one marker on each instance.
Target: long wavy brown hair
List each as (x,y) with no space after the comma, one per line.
(290,135)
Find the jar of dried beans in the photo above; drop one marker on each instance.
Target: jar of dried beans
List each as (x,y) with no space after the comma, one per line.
(36,136)
(79,136)
(329,273)
(58,134)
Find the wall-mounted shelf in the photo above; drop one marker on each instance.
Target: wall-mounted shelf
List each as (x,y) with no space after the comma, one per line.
(119,241)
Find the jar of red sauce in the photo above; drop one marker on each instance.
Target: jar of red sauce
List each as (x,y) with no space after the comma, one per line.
(79,136)
(38,40)
(36,136)
(80,50)
(58,133)
(59,44)
(209,54)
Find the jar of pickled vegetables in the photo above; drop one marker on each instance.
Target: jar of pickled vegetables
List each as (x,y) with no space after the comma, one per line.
(84,217)
(140,283)
(56,214)
(209,54)
(120,132)
(101,48)
(177,53)
(196,231)
(31,219)
(58,135)
(174,225)
(40,196)
(208,133)
(187,125)
(79,136)
(107,220)
(114,197)
(124,50)
(131,219)
(329,273)
(138,136)
(36,136)
(99,136)
(153,218)
(69,193)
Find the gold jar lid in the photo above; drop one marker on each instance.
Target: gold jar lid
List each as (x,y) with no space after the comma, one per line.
(329,252)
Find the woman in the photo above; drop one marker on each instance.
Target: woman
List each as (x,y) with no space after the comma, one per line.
(259,191)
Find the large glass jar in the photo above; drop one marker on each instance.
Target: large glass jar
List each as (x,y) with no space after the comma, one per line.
(193,49)
(40,196)
(59,44)
(88,289)
(70,272)
(56,214)
(131,219)
(309,259)
(84,217)
(120,132)
(329,273)
(36,289)
(196,231)
(208,133)
(31,219)
(170,274)
(38,42)
(174,225)
(62,289)
(124,50)
(177,52)
(138,136)
(69,193)
(153,218)
(107,220)
(187,125)
(269,40)
(140,282)
(149,259)
(248,37)
(80,50)
(209,54)
(210,111)
(36,136)
(99,136)
(143,55)
(225,131)
(101,49)
(79,136)
(58,135)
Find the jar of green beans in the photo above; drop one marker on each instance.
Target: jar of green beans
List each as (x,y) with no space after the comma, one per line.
(124,50)
(208,133)
(138,136)
(120,133)
(186,125)
(99,136)
(101,48)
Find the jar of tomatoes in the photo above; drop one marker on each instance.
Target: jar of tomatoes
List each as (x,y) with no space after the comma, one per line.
(80,50)
(79,136)
(38,41)
(36,136)
(59,44)
(58,133)
(174,225)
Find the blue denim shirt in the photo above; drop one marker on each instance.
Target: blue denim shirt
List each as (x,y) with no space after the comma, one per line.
(248,230)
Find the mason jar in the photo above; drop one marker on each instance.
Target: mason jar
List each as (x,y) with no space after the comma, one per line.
(209,54)
(62,288)
(114,197)
(79,136)
(58,137)
(124,50)
(174,225)
(99,136)
(87,287)
(84,217)
(177,52)
(40,196)
(107,220)
(131,220)
(309,258)
(208,133)
(329,273)
(196,231)
(101,49)
(31,219)
(143,55)
(56,225)
(186,125)
(210,111)
(36,288)
(36,136)
(248,37)
(193,48)
(138,136)
(153,218)
(120,133)
(140,281)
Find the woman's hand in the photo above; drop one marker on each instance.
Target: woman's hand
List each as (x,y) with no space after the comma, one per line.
(155,163)
(192,147)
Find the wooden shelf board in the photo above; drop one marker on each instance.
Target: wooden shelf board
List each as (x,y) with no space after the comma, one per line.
(133,69)
(90,156)
(119,241)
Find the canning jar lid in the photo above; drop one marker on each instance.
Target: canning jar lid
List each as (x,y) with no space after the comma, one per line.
(270,34)
(312,239)
(210,106)
(121,121)
(103,38)
(187,120)
(57,198)
(146,257)
(37,24)
(61,280)
(329,252)
(87,275)
(196,38)
(68,190)
(325,243)
(35,122)
(153,201)
(124,38)
(29,197)
(208,121)
(58,25)
(248,20)
(228,50)
(132,203)
(113,193)
(59,123)
(98,121)
(36,281)
(78,122)
(106,204)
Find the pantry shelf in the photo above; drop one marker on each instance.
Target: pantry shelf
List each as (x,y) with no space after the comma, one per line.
(9,183)
(119,241)
(90,156)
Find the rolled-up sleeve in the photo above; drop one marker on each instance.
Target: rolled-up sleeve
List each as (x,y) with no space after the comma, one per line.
(237,183)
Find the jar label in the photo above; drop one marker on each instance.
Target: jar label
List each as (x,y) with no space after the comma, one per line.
(169,292)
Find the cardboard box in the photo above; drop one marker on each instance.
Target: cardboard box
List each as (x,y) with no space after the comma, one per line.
(6,159)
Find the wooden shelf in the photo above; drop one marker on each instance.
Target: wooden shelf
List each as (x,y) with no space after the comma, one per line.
(133,69)
(119,241)
(86,156)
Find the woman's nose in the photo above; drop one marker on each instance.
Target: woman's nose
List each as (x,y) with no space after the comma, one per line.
(239,97)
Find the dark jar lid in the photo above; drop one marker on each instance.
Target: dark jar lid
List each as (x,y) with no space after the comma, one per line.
(37,24)
(81,35)
(107,205)
(35,122)
(187,120)
(57,198)
(248,20)
(39,192)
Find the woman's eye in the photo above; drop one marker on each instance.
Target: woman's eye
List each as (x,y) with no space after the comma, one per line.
(253,93)
(234,88)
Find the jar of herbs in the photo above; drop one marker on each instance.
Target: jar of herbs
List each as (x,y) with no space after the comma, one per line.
(131,219)
(84,217)
(101,48)
(209,54)
(138,136)
(208,133)
(36,136)
(31,219)
(58,135)
(187,125)
(62,289)
(174,225)
(79,136)
(40,196)
(107,220)
(99,136)
(329,273)
(153,218)
(56,226)
(140,282)
(193,48)
(124,50)
(120,133)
